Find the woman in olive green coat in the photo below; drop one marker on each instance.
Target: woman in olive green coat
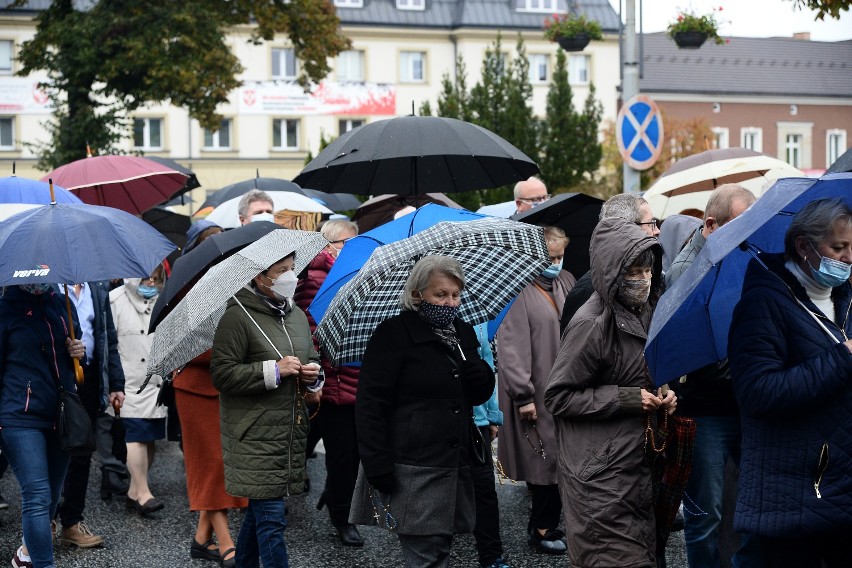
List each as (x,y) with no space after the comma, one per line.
(263,363)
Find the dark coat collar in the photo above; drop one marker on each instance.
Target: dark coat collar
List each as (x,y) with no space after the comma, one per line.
(421,333)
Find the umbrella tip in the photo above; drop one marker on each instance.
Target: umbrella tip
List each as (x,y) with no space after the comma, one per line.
(88,150)
(13,167)
(412,107)
(52,193)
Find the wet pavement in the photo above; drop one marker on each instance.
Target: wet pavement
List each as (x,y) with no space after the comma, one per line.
(163,539)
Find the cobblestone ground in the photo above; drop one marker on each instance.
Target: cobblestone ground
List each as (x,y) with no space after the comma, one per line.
(163,539)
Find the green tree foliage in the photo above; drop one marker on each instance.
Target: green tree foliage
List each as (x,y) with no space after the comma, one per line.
(425,109)
(108,60)
(571,149)
(519,122)
(823,8)
(322,144)
(454,100)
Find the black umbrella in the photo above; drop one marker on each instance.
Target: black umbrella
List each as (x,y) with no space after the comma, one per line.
(575,213)
(171,225)
(410,155)
(191,180)
(190,267)
(334,201)
(841,164)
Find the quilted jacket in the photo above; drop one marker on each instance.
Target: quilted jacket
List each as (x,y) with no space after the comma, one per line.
(794,387)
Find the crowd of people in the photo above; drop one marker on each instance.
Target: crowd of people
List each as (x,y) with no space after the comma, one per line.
(563,388)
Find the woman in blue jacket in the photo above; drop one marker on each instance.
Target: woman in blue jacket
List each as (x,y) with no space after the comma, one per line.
(791,366)
(36,357)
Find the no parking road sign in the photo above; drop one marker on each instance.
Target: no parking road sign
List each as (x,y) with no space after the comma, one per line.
(639,132)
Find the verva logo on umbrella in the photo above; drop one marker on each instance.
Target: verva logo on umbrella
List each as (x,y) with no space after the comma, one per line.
(41,270)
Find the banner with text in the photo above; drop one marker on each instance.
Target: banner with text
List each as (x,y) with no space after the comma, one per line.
(20,95)
(283,98)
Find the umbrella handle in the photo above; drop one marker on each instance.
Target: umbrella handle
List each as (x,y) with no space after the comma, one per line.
(116,406)
(78,370)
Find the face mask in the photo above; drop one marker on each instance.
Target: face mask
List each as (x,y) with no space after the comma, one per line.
(147,292)
(36,289)
(284,286)
(438,316)
(634,293)
(831,273)
(553,270)
(262,217)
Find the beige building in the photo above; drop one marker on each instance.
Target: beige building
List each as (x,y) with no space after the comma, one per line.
(401,49)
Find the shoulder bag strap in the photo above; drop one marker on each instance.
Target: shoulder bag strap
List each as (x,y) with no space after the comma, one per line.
(280,356)
(548,296)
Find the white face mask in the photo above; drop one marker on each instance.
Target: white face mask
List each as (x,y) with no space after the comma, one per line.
(284,286)
(262,217)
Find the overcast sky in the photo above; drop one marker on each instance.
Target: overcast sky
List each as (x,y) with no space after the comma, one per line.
(748,18)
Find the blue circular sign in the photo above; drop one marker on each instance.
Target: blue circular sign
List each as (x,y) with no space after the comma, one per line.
(639,132)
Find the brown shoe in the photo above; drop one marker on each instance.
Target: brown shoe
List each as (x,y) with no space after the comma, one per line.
(80,536)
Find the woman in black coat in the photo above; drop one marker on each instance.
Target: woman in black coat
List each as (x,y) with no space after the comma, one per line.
(420,377)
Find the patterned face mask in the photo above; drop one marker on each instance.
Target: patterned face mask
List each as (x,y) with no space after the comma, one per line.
(438,316)
(634,293)
(36,289)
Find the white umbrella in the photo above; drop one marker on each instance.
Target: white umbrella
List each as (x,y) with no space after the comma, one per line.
(505,209)
(9,209)
(227,216)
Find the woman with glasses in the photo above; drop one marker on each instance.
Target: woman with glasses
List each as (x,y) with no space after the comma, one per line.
(599,392)
(144,421)
(527,342)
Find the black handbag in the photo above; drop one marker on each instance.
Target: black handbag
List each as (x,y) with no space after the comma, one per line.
(73,425)
(478,445)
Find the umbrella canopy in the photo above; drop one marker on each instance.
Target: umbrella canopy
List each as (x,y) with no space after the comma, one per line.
(687,185)
(411,155)
(505,209)
(191,266)
(691,322)
(499,258)
(189,329)
(841,164)
(357,251)
(191,179)
(128,183)
(381,208)
(334,201)
(70,243)
(22,190)
(343,202)
(575,213)
(171,225)
(9,209)
(227,216)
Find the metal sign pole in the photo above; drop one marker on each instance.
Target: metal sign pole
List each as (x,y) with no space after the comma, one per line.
(630,83)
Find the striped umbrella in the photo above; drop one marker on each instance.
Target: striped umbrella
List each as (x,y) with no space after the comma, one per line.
(188,329)
(499,257)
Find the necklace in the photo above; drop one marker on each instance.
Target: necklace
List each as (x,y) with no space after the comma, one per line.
(540,449)
(390,521)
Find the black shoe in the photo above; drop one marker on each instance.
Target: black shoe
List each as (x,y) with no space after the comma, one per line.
(204,551)
(552,542)
(151,505)
(349,535)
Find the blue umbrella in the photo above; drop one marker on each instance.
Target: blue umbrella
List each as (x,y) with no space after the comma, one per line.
(69,243)
(22,190)
(691,322)
(358,250)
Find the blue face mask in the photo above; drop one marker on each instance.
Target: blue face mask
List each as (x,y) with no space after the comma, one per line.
(553,270)
(831,273)
(147,292)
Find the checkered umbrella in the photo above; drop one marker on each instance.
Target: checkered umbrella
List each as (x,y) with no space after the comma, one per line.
(499,257)
(188,329)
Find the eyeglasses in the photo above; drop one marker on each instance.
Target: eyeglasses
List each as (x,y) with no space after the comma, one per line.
(654,222)
(341,241)
(153,281)
(530,200)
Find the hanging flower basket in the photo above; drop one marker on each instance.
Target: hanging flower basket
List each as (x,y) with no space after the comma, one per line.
(576,43)
(572,32)
(689,40)
(690,31)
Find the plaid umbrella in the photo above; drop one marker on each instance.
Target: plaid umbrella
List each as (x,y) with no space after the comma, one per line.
(188,329)
(671,470)
(499,258)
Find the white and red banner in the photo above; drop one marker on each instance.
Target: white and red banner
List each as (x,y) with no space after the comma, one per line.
(21,95)
(282,98)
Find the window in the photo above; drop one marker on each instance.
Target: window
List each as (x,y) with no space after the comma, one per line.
(5,56)
(793,148)
(752,138)
(411,4)
(538,68)
(720,138)
(283,63)
(835,141)
(219,139)
(411,64)
(7,133)
(350,66)
(285,134)
(349,3)
(348,124)
(147,133)
(578,69)
(545,6)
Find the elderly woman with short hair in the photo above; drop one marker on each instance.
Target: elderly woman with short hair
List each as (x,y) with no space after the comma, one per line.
(791,367)
(420,376)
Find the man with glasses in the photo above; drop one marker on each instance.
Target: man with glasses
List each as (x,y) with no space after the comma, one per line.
(530,193)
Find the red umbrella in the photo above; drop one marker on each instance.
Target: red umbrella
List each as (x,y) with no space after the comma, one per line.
(125,182)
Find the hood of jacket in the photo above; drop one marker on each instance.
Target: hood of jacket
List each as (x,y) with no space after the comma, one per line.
(616,243)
